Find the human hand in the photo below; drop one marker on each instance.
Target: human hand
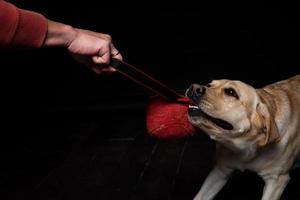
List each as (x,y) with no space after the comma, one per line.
(87,47)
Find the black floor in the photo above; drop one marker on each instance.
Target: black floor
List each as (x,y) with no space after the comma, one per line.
(67,157)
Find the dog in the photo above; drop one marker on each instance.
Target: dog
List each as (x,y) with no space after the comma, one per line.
(254,129)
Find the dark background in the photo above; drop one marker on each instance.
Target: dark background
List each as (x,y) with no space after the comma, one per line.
(68,133)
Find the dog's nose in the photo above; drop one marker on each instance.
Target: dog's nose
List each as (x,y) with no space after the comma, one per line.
(195,92)
(198,90)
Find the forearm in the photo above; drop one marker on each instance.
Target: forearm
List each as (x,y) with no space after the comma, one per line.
(59,34)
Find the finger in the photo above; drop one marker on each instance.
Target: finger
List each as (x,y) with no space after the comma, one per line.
(101,59)
(97,70)
(118,56)
(106,57)
(115,53)
(109,73)
(109,69)
(101,70)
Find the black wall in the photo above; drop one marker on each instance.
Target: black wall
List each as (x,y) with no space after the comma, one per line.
(178,43)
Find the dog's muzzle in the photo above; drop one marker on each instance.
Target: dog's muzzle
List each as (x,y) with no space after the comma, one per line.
(195,92)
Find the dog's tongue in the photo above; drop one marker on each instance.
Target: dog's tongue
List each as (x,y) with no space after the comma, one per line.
(223,124)
(219,122)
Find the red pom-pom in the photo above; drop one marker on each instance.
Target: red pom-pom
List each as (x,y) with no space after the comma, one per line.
(169,120)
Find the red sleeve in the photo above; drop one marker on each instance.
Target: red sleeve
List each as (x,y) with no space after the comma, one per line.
(20,27)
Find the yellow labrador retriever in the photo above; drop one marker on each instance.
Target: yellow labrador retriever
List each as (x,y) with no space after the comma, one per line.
(255,129)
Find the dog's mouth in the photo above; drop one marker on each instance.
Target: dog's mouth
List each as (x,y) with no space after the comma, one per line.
(195,111)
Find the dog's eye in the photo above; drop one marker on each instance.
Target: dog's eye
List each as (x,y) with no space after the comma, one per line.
(231,92)
(208,85)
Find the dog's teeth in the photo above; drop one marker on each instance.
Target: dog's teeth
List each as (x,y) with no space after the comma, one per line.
(196,107)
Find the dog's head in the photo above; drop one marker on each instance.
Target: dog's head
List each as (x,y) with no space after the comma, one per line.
(227,109)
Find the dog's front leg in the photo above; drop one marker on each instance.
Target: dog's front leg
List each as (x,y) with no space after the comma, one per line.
(213,183)
(274,186)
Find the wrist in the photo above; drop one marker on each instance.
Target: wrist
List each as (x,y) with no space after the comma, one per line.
(59,34)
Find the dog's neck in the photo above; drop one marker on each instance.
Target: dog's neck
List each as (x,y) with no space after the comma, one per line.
(244,148)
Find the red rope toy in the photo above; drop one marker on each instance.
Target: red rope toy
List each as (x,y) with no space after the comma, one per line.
(167,113)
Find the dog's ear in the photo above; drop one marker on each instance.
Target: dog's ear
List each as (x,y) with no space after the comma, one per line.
(268,129)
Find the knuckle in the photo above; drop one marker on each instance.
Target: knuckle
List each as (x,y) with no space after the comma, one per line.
(106,43)
(108,38)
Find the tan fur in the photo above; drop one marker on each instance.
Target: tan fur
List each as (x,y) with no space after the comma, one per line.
(266,134)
